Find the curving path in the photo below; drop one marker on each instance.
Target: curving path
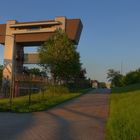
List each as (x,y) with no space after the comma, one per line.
(83,118)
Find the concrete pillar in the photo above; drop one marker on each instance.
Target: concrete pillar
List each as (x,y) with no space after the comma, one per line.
(62,20)
(19,59)
(9,49)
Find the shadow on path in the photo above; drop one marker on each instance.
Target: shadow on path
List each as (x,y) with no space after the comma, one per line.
(82,118)
(12,124)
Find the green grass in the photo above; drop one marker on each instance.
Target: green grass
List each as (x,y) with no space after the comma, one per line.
(124,118)
(39,101)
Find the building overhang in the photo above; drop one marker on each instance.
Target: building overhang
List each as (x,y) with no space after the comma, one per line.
(36,33)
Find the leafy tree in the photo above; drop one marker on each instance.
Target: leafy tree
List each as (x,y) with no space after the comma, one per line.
(115,77)
(82,73)
(1,74)
(132,77)
(102,85)
(59,56)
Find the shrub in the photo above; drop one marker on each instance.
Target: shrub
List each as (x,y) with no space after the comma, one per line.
(57,89)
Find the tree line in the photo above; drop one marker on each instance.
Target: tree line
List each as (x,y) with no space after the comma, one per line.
(118,80)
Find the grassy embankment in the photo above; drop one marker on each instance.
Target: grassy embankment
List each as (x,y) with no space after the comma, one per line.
(39,101)
(124,119)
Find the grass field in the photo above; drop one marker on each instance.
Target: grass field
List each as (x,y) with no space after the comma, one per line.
(124,119)
(39,101)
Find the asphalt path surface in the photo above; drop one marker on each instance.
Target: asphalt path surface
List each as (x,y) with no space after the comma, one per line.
(83,118)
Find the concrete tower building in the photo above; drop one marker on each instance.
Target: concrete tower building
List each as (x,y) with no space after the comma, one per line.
(16,35)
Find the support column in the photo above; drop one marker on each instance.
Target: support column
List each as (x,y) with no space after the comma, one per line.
(19,59)
(8,68)
(9,49)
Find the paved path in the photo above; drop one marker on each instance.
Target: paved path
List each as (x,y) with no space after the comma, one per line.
(83,118)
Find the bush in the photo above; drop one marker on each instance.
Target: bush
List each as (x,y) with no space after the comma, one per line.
(57,89)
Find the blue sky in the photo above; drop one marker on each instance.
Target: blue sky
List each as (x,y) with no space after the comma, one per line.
(111,29)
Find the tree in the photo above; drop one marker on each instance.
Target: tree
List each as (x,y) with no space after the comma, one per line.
(1,74)
(102,85)
(82,73)
(58,55)
(115,77)
(132,77)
